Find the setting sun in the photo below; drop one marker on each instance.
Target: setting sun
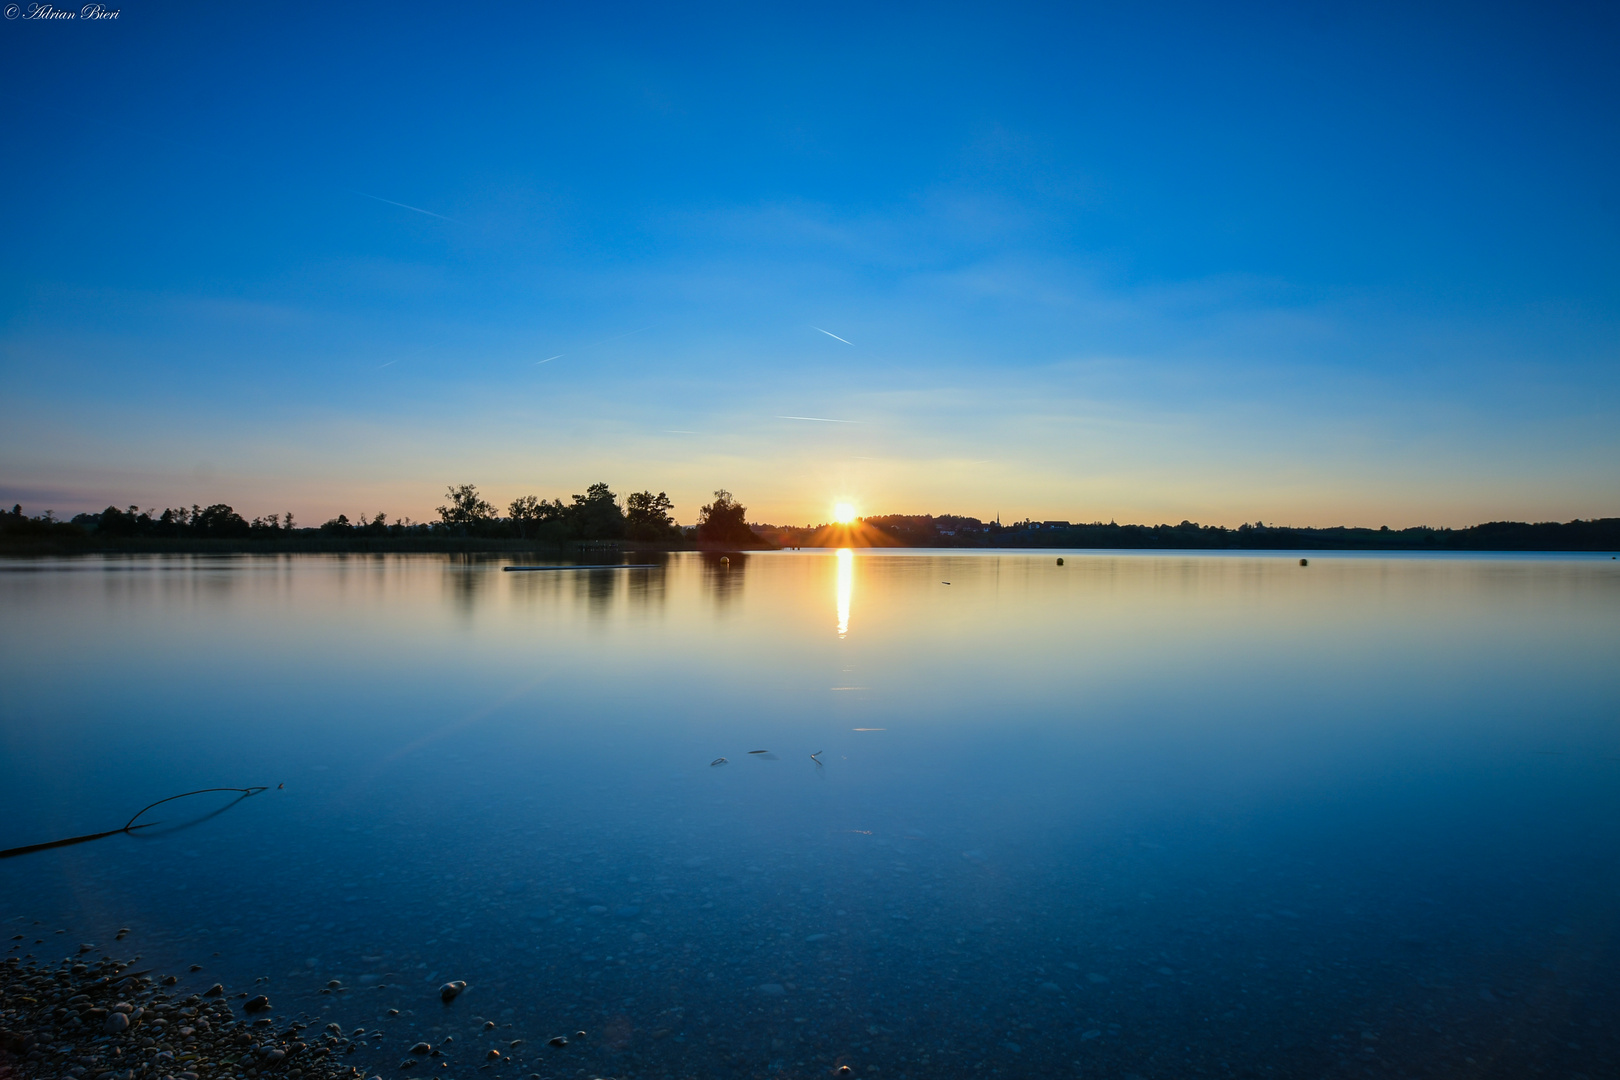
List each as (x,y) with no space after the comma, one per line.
(844,513)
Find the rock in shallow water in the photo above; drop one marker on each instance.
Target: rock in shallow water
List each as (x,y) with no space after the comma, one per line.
(450,990)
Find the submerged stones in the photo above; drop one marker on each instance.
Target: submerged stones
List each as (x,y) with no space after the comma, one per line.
(451,990)
(256,1005)
(557,1040)
(421,1049)
(95,1022)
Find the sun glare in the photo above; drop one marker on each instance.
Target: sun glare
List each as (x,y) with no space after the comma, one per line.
(844,513)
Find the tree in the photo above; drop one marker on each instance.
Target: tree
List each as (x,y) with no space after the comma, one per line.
(725,521)
(595,515)
(218,520)
(467,509)
(647,517)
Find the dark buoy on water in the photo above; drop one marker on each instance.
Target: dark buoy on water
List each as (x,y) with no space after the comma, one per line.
(725,560)
(1060,562)
(1304,562)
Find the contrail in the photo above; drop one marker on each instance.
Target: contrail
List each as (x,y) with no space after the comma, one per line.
(407,206)
(549,359)
(829,333)
(819,419)
(381,366)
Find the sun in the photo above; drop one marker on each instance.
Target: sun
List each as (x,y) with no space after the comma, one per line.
(843,513)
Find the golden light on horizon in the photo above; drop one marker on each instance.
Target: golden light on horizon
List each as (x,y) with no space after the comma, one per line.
(843,513)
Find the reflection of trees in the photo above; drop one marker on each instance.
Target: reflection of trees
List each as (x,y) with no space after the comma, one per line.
(723,574)
(646,587)
(467,580)
(596,588)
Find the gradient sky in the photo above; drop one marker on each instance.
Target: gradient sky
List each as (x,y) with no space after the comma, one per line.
(1308,264)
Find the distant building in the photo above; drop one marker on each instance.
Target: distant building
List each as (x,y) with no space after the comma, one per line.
(1054,524)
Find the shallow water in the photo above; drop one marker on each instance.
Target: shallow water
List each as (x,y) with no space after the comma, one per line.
(1157,814)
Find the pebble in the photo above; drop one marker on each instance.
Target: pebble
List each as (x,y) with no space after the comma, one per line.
(558,1040)
(258,1004)
(422,1049)
(125,1020)
(450,990)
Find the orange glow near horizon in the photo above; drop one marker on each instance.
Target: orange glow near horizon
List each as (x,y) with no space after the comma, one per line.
(843,513)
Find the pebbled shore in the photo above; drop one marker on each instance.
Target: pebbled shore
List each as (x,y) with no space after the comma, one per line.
(109,1020)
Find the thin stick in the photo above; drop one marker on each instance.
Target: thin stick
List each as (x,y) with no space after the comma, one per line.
(129,827)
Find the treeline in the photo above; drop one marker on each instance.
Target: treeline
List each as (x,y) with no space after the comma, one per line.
(948,530)
(466,515)
(595,515)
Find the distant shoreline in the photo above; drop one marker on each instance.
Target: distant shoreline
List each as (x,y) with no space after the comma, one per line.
(23,537)
(601,552)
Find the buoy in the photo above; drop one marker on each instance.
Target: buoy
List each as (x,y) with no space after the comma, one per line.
(725,560)
(1304,562)
(1060,562)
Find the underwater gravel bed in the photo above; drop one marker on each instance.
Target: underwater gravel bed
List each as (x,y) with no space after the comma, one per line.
(76,1020)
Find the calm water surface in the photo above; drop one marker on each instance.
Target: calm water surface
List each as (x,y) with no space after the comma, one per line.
(1156,815)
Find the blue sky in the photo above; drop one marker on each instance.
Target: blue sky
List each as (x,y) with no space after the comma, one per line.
(1291,263)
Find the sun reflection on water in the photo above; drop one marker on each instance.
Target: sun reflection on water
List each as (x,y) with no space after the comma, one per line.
(846,585)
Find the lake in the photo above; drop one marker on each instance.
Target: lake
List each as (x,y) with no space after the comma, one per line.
(1156,814)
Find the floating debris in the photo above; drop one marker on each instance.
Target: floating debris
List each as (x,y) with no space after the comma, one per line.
(816,757)
(129,826)
(717,761)
(759,751)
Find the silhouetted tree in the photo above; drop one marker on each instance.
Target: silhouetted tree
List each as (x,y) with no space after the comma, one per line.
(725,521)
(467,509)
(647,517)
(595,515)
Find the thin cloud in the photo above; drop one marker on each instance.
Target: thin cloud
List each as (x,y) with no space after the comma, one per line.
(407,206)
(549,359)
(830,334)
(819,419)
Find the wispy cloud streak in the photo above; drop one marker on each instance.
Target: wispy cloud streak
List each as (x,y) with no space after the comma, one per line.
(834,336)
(407,206)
